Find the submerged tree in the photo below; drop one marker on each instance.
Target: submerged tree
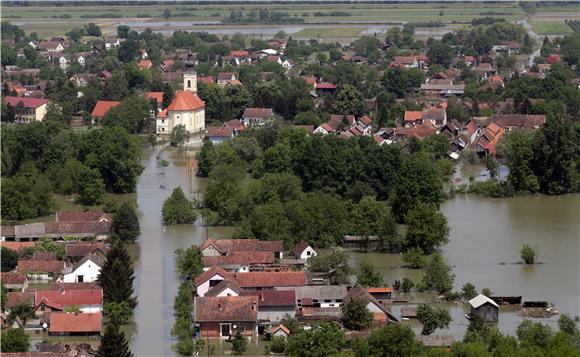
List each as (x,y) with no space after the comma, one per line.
(116,277)
(432,319)
(125,225)
(438,275)
(356,316)
(368,276)
(177,209)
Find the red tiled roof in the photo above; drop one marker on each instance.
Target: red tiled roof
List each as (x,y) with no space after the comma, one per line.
(366,120)
(413,115)
(72,228)
(75,322)
(325,85)
(206,275)
(26,101)
(220,131)
(145,64)
(40,266)
(309,79)
(239,258)
(239,53)
(282,328)
(226,246)
(327,127)
(223,285)
(235,124)
(403,60)
(84,249)
(158,96)
(553,58)
(168,62)
(226,309)
(519,120)
(44,256)
(70,297)
(257,112)
(102,107)
(225,76)
(185,100)
(17,246)
(206,79)
(71,216)
(14,298)
(8,231)
(273,58)
(380,290)
(12,278)
(162,114)
(271,279)
(299,248)
(272,298)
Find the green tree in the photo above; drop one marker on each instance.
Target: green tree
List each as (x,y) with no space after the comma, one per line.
(116,87)
(116,277)
(131,114)
(414,257)
(368,276)
(277,158)
(90,187)
(407,285)
(168,95)
(492,165)
(422,183)
(528,254)
(355,315)
(179,135)
(118,313)
(468,291)
(428,228)
(177,209)
(206,158)
(440,53)
(123,31)
(128,50)
(373,218)
(567,325)
(9,259)
(334,261)
(125,224)
(391,340)
(432,319)
(519,152)
(533,333)
(438,275)
(277,344)
(239,343)
(24,311)
(348,101)
(322,340)
(113,343)
(188,262)
(15,340)
(26,195)
(3,294)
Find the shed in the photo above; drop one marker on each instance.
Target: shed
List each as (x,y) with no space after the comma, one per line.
(484,308)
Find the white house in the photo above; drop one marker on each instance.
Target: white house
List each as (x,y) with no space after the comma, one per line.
(288,64)
(281,331)
(225,288)
(63,62)
(85,271)
(303,251)
(209,279)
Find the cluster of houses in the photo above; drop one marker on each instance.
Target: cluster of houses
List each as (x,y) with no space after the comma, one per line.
(249,286)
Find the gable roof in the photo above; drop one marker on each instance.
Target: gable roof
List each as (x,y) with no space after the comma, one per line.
(16,298)
(205,79)
(98,261)
(185,100)
(239,53)
(480,300)
(271,279)
(226,309)
(26,101)
(158,96)
(320,292)
(413,115)
(89,216)
(70,297)
(102,107)
(361,294)
(12,278)
(325,85)
(84,249)
(272,298)
(239,258)
(226,246)
(220,131)
(223,285)
(40,266)
(206,275)
(282,328)
(257,113)
(434,114)
(299,248)
(519,120)
(226,76)
(76,322)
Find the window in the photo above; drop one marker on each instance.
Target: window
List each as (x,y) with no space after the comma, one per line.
(80,278)
(308,253)
(188,83)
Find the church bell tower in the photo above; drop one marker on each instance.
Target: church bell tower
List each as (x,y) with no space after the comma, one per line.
(189,75)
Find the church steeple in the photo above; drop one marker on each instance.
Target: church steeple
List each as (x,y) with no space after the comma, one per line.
(189,75)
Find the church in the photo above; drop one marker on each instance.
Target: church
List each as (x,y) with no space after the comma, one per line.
(186,108)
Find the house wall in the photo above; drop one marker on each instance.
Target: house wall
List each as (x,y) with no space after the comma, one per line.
(486,312)
(228,292)
(280,333)
(91,308)
(210,252)
(41,112)
(213,329)
(203,288)
(162,126)
(89,270)
(275,313)
(304,255)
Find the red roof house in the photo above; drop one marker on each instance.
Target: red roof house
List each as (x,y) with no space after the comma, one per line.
(102,107)
(63,323)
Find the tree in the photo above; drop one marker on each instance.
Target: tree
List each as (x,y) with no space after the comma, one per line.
(92,30)
(492,165)
(128,50)
(3,294)
(422,183)
(125,224)
(116,276)
(9,259)
(206,159)
(428,228)
(368,276)
(179,135)
(414,257)
(131,114)
(90,187)
(15,340)
(322,340)
(468,291)
(390,340)
(335,260)
(440,53)
(407,285)
(348,101)
(168,95)
(188,262)
(528,254)
(24,311)
(355,315)
(533,333)
(116,87)
(277,158)
(519,152)
(438,275)
(113,343)
(432,318)
(118,313)
(166,14)
(123,31)
(373,218)
(567,325)
(239,343)
(177,209)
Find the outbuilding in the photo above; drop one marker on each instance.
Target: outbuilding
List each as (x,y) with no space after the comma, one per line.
(484,308)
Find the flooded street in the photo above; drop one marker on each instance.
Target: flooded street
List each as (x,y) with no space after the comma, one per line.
(486,235)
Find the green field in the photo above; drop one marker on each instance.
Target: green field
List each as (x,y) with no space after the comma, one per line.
(328,32)
(551,27)
(46,21)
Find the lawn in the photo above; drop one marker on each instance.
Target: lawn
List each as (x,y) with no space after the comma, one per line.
(326,32)
(551,27)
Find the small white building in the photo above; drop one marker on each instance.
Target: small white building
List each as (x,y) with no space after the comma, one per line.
(85,271)
(303,251)
(209,279)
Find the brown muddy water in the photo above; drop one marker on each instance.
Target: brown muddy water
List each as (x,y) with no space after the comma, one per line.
(486,235)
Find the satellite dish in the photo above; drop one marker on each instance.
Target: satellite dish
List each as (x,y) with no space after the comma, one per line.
(44,325)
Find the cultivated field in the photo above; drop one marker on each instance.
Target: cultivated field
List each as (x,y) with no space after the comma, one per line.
(551,27)
(327,32)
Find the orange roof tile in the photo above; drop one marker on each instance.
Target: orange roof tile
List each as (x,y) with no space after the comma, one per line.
(413,115)
(158,96)
(145,64)
(380,290)
(102,107)
(74,322)
(185,100)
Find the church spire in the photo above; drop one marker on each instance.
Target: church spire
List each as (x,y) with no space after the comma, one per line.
(189,75)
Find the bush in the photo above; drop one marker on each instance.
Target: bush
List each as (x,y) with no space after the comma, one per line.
(277,344)
(177,209)
(407,285)
(528,254)
(356,316)
(468,291)
(414,258)
(489,189)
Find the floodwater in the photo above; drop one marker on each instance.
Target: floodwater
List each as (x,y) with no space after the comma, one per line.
(486,235)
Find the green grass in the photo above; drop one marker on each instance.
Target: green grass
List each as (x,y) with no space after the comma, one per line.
(551,27)
(327,32)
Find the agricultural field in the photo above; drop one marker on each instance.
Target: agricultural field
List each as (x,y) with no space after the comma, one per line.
(50,20)
(328,32)
(551,27)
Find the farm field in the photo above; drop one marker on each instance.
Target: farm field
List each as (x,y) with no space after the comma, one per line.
(551,27)
(328,32)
